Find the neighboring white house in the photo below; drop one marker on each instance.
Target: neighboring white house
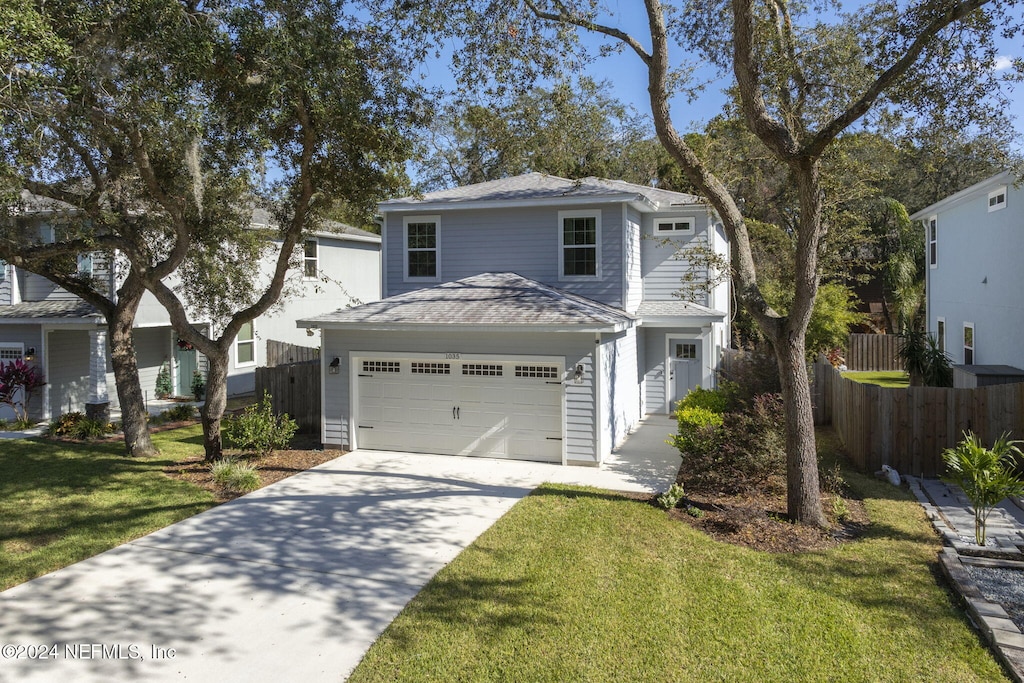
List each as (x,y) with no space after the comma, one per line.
(66,337)
(974,240)
(532,318)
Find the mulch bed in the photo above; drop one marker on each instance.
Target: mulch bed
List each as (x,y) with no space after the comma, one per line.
(278,465)
(758,520)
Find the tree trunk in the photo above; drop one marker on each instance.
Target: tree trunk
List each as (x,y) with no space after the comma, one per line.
(803,495)
(216,403)
(134,423)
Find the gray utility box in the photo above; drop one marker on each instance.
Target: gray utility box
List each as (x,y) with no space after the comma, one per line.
(974,376)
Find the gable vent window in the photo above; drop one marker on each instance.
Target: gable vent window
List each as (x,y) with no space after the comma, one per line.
(381,366)
(419,368)
(997,199)
(675,226)
(537,371)
(481,370)
(579,241)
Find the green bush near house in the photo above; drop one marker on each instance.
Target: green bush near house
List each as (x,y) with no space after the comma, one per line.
(258,430)
(986,475)
(164,388)
(76,425)
(235,476)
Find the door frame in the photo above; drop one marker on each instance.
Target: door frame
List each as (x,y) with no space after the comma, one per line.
(702,340)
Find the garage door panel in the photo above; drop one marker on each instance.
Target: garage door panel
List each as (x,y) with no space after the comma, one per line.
(462,408)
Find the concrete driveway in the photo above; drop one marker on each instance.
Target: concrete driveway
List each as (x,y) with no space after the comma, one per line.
(291,582)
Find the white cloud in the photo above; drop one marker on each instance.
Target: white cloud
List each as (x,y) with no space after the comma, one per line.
(1003,62)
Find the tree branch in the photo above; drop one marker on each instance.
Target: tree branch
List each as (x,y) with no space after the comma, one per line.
(564,16)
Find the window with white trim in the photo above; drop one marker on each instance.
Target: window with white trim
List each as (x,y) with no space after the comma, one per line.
(579,242)
(940,334)
(382,366)
(423,368)
(310,259)
(933,242)
(997,199)
(3,270)
(11,351)
(537,371)
(686,351)
(482,369)
(85,265)
(675,226)
(245,345)
(968,343)
(421,247)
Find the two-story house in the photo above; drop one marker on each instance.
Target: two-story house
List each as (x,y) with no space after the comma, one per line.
(533,318)
(66,337)
(973,240)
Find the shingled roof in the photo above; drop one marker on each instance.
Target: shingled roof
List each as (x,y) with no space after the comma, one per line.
(50,311)
(538,187)
(480,301)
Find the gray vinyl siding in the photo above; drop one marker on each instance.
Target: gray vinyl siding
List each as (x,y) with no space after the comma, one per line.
(28,336)
(38,288)
(654,369)
(662,272)
(577,349)
(68,379)
(620,386)
(520,240)
(633,272)
(978,277)
(152,346)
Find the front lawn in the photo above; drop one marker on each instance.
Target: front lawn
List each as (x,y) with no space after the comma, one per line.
(575,584)
(64,502)
(895,379)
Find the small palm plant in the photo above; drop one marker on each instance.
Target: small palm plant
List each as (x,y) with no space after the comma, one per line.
(986,475)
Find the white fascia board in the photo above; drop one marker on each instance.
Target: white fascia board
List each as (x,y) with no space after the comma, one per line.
(681,321)
(457,328)
(1004,178)
(639,202)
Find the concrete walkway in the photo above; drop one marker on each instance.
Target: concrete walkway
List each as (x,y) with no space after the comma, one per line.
(292,582)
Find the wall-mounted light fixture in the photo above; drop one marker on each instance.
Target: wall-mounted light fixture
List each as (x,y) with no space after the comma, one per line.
(30,354)
(577,376)
(335,367)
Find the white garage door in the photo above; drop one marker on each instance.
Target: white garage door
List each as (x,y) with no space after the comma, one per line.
(490,408)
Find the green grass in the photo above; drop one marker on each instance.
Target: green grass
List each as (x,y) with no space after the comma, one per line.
(896,379)
(61,502)
(575,584)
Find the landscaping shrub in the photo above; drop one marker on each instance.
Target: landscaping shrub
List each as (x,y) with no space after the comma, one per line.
(716,400)
(986,475)
(76,425)
(198,385)
(671,498)
(258,430)
(733,452)
(179,413)
(235,476)
(163,382)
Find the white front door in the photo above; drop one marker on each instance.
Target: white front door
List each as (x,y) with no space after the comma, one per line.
(685,361)
(490,408)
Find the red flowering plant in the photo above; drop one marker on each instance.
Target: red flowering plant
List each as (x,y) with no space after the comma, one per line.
(18,380)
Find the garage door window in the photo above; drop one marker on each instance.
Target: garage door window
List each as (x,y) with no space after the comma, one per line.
(381,366)
(537,371)
(9,352)
(481,370)
(419,368)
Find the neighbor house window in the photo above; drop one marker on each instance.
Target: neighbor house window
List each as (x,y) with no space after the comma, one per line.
(310,266)
(85,265)
(10,352)
(968,343)
(940,334)
(579,242)
(674,226)
(3,270)
(245,345)
(997,199)
(933,243)
(421,241)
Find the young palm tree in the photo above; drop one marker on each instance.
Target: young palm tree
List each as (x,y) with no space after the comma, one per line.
(986,475)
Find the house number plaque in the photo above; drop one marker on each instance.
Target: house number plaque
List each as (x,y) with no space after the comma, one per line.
(452,356)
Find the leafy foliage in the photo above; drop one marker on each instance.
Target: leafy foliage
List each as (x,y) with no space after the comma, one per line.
(198,385)
(258,429)
(986,475)
(18,381)
(164,388)
(76,425)
(923,360)
(234,475)
(669,499)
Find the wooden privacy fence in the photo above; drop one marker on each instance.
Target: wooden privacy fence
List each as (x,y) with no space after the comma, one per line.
(282,353)
(873,352)
(294,389)
(909,428)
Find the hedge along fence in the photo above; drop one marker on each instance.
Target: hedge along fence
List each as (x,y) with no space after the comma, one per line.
(909,428)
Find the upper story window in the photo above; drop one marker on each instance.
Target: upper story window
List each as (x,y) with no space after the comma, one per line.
(933,242)
(310,257)
(3,270)
(997,199)
(940,334)
(245,346)
(85,265)
(674,226)
(421,247)
(968,343)
(579,237)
